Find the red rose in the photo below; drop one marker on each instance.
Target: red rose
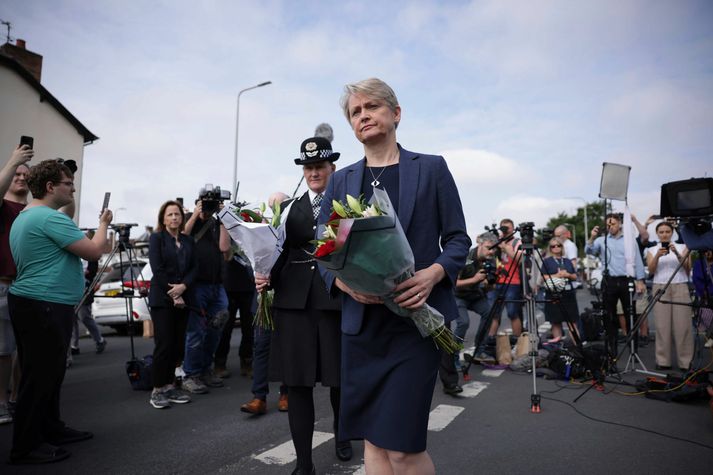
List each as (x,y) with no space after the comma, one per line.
(246,217)
(334,216)
(325,249)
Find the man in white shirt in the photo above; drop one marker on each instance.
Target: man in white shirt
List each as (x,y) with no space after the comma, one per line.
(570,248)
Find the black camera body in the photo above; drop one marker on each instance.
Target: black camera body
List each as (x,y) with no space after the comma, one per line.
(211,197)
(527,234)
(491,271)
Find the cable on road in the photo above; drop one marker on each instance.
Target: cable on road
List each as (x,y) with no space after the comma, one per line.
(650,431)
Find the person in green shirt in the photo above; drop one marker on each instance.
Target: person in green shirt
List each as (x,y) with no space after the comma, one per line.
(46,246)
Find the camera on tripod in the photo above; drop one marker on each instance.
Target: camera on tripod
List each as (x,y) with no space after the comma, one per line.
(545,234)
(123,230)
(211,197)
(527,233)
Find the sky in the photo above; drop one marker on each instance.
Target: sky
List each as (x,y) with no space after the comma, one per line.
(524,99)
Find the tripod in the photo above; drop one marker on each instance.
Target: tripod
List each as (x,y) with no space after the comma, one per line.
(656,298)
(121,246)
(634,357)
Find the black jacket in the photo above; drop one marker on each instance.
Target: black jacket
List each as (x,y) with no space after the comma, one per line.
(164,264)
(295,276)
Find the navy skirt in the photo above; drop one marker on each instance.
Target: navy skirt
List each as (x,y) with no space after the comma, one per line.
(564,310)
(388,375)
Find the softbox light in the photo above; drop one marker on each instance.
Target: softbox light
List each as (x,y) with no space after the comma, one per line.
(615,181)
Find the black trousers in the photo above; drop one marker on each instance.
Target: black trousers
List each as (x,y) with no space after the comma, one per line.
(447,370)
(169,326)
(42,332)
(616,289)
(243,302)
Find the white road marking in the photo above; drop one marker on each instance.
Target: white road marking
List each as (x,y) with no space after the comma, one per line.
(473,388)
(492,373)
(285,453)
(443,415)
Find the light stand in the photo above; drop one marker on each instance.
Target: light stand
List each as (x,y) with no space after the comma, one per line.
(633,337)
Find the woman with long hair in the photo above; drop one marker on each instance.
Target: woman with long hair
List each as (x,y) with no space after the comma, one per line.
(673,322)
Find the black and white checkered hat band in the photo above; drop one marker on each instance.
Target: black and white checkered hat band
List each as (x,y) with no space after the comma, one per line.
(319,153)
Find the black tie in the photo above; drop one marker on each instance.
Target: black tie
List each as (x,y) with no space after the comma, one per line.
(316,204)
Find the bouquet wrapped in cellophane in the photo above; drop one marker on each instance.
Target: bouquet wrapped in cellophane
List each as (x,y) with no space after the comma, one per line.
(365,246)
(261,239)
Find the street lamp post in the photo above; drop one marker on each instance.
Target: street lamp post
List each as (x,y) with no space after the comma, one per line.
(237,119)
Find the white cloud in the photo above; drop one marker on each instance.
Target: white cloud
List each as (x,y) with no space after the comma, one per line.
(470,166)
(538,209)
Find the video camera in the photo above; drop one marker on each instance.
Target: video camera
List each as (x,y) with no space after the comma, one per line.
(211,197)
(527,234)
(123,230)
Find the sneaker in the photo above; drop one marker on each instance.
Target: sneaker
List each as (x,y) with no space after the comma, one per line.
(177,397)
(75,351)
(194,385)
(5,416)
(159,400)
(211,380)
(101,346)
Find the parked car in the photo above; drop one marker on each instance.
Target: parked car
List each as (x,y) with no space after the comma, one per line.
(111,299)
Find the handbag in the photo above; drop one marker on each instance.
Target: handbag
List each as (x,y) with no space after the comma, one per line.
(139,372)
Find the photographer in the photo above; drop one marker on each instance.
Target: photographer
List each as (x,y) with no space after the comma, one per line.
(46,246)
(473,282)
(673,319)
(616,280)
(209,309)
(509,284)
(14,191)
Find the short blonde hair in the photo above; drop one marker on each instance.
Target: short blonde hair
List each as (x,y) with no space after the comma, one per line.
(372,87)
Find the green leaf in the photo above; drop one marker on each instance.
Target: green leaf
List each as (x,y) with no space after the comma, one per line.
(339,209)
(354,204)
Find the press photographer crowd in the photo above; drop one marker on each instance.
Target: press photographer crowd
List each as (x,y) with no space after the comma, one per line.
(315,307)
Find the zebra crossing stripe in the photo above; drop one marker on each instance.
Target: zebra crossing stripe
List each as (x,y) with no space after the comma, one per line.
(492,373)
(473,388)
(285,453)
(443,415)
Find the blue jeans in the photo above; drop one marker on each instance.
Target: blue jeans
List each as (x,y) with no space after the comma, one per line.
(201,338)
(481,306)
(512,292)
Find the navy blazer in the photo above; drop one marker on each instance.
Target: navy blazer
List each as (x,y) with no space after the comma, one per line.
(431,215)
(164,264)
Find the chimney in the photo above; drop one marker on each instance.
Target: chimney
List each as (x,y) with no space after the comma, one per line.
(32,62)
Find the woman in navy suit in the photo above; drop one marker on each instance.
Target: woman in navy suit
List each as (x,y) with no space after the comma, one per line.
(388,370)
(173,264)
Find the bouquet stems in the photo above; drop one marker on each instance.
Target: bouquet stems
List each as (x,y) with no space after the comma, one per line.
(263,316)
